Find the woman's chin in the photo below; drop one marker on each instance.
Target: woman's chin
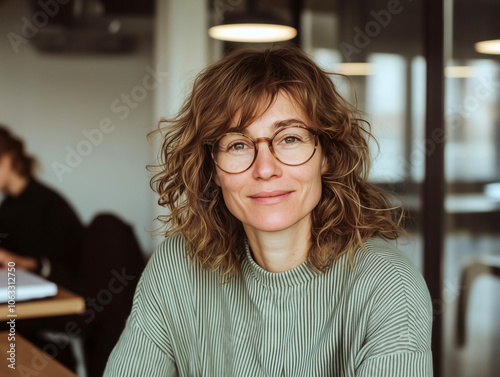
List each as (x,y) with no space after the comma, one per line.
(270,226)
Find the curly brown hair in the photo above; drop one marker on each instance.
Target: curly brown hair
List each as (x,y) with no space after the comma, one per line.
(245,84)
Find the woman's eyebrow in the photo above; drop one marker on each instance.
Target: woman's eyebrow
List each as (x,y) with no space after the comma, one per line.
(276,125)
(287,122)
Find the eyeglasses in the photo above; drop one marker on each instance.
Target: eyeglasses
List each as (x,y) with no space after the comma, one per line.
(293,145)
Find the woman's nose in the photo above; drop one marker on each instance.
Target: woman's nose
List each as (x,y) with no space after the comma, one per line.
(266,165)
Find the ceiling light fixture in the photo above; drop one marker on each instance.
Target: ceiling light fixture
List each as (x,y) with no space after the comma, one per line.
(354,69)
(459,71)
(488,47)
(252,26)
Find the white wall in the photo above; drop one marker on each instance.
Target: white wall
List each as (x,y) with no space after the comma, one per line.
(50,99)
(182,49)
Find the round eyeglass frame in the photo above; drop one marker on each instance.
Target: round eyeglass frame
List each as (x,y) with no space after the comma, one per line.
(269,141)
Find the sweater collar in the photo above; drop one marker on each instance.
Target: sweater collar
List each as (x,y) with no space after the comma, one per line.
(295,276)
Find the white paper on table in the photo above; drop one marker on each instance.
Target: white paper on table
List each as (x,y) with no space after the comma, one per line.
(28,286)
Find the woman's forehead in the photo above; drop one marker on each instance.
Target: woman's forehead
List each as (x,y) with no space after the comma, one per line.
(282,103)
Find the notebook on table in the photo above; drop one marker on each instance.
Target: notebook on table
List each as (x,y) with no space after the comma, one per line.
(28,286)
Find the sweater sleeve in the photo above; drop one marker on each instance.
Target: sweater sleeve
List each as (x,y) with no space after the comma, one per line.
(411,364)
(135,355)
(399,311)
(144,347)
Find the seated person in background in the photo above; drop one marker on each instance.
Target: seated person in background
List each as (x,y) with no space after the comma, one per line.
(40,231)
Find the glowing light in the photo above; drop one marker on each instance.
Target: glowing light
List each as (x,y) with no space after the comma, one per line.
(458,71)
(252,32)
(354,69)
(488,47)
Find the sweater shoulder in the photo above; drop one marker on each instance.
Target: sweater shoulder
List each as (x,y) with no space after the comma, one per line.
(169,265)
(384,271)
(47,199)
(390,276)
(170,253)
(39,190)
(383,260)
(396,293)
(166,274)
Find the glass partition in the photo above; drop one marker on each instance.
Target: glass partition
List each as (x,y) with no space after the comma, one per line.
(472,244)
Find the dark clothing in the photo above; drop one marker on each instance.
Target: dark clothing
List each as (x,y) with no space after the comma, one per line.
(40,223)
(110,284)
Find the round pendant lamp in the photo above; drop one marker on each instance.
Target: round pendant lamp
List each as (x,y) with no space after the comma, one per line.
(490,42)
(488,47)
(252,26)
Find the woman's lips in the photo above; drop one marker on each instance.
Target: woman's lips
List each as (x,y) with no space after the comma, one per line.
(271,197)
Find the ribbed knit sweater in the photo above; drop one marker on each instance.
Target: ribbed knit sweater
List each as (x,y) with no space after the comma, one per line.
(371,322)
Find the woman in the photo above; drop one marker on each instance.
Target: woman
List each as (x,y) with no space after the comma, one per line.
(41,233)
(289,271)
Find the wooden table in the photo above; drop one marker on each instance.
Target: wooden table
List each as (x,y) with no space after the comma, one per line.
(29,360)
(65,302)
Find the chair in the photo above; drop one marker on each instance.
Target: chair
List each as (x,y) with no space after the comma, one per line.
(111,266)
(489,265)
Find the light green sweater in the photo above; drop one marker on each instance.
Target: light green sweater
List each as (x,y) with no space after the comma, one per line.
(373,322)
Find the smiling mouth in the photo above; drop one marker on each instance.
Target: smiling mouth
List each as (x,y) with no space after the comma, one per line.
(271,194)
(271,198)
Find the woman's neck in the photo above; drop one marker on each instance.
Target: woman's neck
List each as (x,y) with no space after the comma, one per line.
(282,250)
(17,184)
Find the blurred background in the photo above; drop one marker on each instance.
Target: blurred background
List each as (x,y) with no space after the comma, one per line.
(84,81)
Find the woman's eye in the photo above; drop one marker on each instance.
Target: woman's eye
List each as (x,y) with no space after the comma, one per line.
(237,147)
(291,139)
